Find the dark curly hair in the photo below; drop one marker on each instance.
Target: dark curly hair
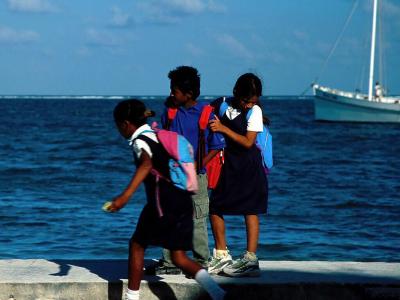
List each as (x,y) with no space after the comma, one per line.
(187,79)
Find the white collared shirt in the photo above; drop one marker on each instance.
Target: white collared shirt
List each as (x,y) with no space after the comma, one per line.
(255,121)
(139,145)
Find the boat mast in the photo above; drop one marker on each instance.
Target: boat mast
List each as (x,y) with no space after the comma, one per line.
(372,60)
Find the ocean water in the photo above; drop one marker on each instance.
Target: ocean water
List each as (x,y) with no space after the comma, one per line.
(334,189)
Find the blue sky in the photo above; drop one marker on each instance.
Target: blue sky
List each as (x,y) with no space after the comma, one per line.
(127,47)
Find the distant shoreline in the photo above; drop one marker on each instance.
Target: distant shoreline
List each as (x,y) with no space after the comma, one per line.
(142,97)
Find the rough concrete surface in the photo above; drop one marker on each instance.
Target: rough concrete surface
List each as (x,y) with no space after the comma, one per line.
(39,279)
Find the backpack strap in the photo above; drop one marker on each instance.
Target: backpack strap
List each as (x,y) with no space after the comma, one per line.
(157,175)
(223,107)
(145,139)
(171,114)
(205,116)
(203,123)
(220,105)
(249,114)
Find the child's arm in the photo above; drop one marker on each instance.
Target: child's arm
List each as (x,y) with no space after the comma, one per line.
(141,173)
(245,140)
(209,156)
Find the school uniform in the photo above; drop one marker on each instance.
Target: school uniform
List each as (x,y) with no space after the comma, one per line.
(166,219)
(243,187)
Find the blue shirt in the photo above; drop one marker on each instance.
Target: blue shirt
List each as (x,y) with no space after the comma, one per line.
(186,123)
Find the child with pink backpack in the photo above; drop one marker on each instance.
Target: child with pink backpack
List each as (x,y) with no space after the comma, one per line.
(164,162)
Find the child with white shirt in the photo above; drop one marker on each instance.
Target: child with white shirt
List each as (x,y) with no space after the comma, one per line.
(243,187)
(172,230)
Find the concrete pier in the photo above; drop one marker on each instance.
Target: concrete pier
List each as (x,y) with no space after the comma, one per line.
(39,279)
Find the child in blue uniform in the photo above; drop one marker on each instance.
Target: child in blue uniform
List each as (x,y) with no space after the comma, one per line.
(185,89)
(173,229)
(243,186)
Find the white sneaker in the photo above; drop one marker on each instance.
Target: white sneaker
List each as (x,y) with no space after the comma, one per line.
(246,266)
(218,262)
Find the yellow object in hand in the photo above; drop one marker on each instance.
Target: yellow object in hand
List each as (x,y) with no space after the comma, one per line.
(106,206)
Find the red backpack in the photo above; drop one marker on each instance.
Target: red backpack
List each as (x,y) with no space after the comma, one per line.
(214,166)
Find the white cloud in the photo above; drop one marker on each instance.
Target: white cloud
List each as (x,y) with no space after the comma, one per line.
(389,15)
(83,51)
(119,18)
(13,36)
(115,41)
(171,11)
(234,46)
(388,7)
(102,38)
(301,35)
(188,6)
(216,7)
(149,12)
(36,6)
(194,50)
(184,6)
(391,9)
(263,50)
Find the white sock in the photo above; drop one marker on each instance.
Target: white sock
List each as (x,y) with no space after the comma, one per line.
(212,288)
(132,295)
(250,256)
(220,253)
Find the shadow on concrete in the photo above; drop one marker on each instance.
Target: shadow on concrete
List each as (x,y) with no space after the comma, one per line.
(110,270)
(161,289)
(113,271)
(293,284)
(340,276)
(345,283)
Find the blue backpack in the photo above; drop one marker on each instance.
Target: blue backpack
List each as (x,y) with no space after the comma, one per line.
(263,139)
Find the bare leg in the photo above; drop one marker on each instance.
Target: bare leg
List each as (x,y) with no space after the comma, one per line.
(218,229)
(194,269)
(188,266)
(252,229)
(135,265)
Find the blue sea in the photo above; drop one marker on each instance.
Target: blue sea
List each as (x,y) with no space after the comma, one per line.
(334,189)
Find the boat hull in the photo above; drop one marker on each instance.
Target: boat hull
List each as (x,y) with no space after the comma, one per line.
(339,108)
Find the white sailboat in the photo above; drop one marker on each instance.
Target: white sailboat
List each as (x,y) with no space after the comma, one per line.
(336,105)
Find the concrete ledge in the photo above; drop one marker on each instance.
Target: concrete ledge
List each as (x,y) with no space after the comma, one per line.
(95,279)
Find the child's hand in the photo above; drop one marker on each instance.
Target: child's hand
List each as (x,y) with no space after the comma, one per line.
(216,125)
(107,206)
(110,207)
(115,205)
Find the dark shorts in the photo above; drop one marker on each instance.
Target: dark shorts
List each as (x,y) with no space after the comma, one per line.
(173,232)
